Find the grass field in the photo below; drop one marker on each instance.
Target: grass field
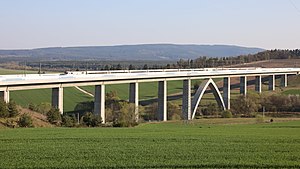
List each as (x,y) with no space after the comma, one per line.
(12,71)
(292,92)
(213,143)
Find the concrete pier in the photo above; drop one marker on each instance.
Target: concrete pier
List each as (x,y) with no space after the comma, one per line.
(258,84)
(226,92)
(5,95)
(284,80)
(186,100)
(162,100)
(134,98)
(271,82)
(58,99)
(243,85)
(99,103)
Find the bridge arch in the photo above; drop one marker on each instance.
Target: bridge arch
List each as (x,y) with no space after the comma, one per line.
(200,92)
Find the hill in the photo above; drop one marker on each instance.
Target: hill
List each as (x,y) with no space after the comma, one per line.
(38,119)
(127,52)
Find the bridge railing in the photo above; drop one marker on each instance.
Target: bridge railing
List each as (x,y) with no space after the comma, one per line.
(154,70)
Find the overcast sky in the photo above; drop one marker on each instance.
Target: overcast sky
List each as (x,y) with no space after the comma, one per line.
(47,23)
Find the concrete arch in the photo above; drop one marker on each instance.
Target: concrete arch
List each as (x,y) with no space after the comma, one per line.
(200,92)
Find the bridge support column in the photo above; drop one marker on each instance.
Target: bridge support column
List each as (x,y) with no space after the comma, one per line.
(186,100)
(99,102)
(58,99)
(258,84)
(226,92)
(243,85)
(272,82)
(134,98)
(5,95)
(283,82)
(162,100)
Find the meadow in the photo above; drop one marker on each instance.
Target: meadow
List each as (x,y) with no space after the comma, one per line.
(204,143)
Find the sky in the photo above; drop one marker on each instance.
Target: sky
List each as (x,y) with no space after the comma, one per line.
(268,24)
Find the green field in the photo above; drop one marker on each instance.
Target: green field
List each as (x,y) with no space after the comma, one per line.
(4,71)
(292,92)
(201,144)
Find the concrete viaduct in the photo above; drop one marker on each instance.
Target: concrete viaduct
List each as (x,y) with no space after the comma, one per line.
(189,105)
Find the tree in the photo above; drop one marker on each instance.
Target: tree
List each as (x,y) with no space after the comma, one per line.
(226,114)
(127,116)
(212,109)
(25,121)
(245,105)
(12,109)
(131,67)
(174,112)
(91,120)
(119,67)
(145,67)
(3,109)
(54,116)
(68,121)
(151,112)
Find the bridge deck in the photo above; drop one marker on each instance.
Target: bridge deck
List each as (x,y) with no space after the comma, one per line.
(16,82)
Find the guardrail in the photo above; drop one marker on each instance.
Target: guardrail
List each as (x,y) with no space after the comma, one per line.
(155,70)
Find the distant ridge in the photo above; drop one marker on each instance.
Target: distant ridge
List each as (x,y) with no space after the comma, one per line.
(130,52)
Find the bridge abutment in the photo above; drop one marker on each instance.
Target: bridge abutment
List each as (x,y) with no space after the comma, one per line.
(58,98)
(186,100)
(99,102)
(162,100)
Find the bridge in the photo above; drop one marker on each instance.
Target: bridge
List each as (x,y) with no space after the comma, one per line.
(189,104)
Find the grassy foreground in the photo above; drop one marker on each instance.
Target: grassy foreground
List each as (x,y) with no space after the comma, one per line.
(203,143)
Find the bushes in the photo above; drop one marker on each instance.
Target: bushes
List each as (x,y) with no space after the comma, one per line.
(226,114)
(12,109)
(68,121)
(3,109)
(42,108)
(126,116)
(25,121)
(8,109)
(54,116)
(174,111)
(246,105)
(91,120)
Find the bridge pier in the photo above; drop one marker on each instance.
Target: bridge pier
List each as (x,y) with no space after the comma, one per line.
(5,95)
(58,99)
(186,100)
(134,98)
(243,85)
(258,84)
(99,102)
(272,82)
(162,101)
(283,82)
(226,92)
